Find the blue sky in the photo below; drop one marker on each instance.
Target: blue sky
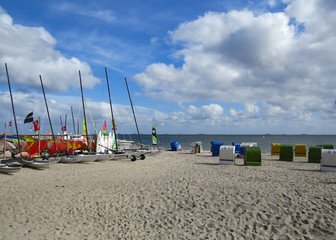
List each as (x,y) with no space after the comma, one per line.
(213,67)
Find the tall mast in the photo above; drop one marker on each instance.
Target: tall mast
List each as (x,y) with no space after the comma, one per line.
(86,129)
(61,123)
(73,121)
(10,92)
(45,100)
(136,124)
(113,122)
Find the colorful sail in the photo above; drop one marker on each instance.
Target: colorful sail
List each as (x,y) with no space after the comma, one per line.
(104,132)
(154,137)
(84,129)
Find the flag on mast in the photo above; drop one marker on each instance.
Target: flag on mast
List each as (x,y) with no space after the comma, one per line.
(29,118)
(36,126)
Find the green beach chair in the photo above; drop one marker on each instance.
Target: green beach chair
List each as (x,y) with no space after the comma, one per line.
(286,153)
(314,154)
(252,156)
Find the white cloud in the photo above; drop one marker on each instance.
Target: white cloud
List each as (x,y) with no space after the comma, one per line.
(211,112)
(281,62)
(101,14)
(31,51)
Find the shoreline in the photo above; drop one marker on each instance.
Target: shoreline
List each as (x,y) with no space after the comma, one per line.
(172,195)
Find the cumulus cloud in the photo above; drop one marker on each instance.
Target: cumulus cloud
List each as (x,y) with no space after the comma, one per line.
(31,51)
(283,61)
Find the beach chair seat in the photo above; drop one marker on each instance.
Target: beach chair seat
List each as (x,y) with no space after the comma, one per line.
(196,147)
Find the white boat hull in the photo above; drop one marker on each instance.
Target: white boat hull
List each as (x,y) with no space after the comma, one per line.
(39,164)
(10,169)
(104,156)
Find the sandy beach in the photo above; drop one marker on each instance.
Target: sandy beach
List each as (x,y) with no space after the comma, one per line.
(172,195)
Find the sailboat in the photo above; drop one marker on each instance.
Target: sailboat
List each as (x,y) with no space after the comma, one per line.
(81,157)
(42,163)
(112,147)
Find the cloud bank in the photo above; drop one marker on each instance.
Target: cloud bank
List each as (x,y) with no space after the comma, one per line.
(31,51)
(279,65)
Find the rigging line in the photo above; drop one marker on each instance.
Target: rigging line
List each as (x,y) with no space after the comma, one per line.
(94,125)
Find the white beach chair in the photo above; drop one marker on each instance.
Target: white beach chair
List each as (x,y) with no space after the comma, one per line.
(227,155)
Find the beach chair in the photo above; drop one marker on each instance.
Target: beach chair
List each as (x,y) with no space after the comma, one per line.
(227,154)
(243,146)
(237,146)
(275,149)
(174,145)
(215,147)
(300,150)
(252,156)
(314,154)
(196,147)
(286,153)
(328,160)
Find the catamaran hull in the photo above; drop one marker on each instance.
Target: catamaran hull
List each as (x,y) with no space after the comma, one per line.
(10,169)
(104,156)
(39,164)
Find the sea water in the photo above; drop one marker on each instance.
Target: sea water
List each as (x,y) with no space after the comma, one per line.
(263,141)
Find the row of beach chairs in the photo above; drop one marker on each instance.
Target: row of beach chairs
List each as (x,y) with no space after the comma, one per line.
(323,154)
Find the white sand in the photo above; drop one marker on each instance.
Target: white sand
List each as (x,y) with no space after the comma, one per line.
(170,196)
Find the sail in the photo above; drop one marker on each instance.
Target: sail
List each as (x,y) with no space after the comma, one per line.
(104,132)
(84,128)
(154,137)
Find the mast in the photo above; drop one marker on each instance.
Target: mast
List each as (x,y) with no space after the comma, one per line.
(73,121)
(113,122)
(45,100)
(10,92)
(86,129)
(136,124)
(61,123)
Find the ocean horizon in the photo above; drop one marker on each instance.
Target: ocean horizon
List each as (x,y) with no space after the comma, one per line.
(264,141)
